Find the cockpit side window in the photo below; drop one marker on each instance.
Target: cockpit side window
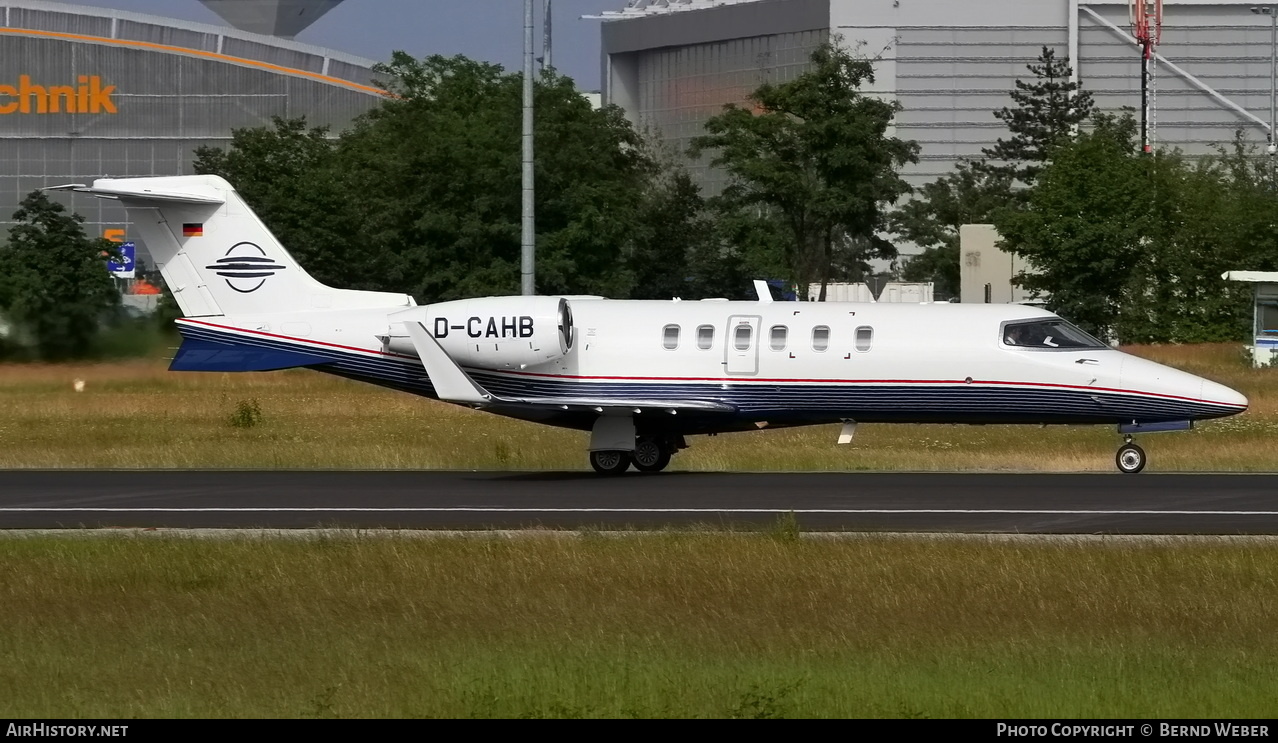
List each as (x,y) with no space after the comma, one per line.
(1047,334)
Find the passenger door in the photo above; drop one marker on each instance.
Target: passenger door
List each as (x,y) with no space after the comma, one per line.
(741,345)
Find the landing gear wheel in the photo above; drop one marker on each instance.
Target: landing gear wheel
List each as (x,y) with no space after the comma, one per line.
(610,462)
(651,455)
(1130,458)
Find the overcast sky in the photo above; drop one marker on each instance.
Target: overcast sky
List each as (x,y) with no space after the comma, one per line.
(490,30)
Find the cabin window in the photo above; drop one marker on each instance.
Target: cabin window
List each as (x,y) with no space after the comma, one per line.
(1048,334)
(705,337)
(777,338)
(670,337)
(864,337)
(741,337)
(820,337)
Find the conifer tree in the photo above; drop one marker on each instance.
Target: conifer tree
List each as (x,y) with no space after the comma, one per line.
(1047,110)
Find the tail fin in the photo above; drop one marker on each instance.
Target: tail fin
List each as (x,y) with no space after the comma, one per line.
(217,257)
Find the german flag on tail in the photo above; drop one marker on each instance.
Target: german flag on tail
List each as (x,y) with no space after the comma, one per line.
(191,229)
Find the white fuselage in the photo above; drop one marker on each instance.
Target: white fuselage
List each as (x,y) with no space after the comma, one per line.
(780,362)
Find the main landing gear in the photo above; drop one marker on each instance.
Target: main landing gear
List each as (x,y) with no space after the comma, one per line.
(651,454)
(610,462)
(1130,458)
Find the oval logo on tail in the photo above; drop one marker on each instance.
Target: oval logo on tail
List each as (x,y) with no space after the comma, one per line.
(245,267)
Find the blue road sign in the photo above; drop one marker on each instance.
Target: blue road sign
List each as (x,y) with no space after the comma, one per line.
(123,268)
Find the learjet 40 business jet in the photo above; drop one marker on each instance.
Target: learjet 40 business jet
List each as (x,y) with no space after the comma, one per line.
(640,376)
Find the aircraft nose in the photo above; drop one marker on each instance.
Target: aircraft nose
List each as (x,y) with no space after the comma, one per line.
(1207,398)
(1220,394)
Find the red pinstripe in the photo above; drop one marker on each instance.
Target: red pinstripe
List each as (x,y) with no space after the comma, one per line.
(734,380)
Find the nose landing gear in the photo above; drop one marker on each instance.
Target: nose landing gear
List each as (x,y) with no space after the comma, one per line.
(1130,458)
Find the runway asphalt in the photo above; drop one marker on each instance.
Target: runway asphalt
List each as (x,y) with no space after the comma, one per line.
(1148,503)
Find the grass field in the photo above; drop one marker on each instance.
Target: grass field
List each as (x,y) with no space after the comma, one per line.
(652,625)
(685,624)
(137,414)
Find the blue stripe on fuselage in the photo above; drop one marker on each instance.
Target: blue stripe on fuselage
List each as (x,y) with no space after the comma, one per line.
(199,354)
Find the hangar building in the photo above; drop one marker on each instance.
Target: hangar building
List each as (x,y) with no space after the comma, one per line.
(671,64)
(88,92)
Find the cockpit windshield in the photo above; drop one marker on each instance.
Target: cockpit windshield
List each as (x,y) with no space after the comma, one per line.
(1054,333)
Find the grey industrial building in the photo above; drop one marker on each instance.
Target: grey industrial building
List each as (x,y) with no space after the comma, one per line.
(671,64)
(87,92)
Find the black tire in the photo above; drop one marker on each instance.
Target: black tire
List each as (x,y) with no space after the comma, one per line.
(610,461)
(651,455)
(1130,459)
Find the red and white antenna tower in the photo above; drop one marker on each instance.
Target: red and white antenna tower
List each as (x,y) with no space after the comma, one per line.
(1147,27)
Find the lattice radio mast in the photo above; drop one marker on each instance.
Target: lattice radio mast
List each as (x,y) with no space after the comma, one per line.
(1147,27)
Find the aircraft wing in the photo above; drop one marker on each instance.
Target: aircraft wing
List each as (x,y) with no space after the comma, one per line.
(453,384)
(636,405)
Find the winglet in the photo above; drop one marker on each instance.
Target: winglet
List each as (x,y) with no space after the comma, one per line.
(761,289)
(450,382)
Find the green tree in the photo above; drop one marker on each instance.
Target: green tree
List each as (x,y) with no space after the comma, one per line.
(672,248)
(932,220)
(434,178)
(1213,216)
(1047,111)
(423,193)
(59,292)
(1085,224)
(1134,247)
(287,174)
(813,157)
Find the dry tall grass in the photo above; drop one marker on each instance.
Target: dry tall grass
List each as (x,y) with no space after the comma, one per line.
(644,625)
(138,414)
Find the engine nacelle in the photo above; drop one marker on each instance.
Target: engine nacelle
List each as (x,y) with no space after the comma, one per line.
(492,332)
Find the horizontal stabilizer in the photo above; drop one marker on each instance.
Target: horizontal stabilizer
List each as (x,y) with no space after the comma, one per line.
(202,355)
(130,188)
